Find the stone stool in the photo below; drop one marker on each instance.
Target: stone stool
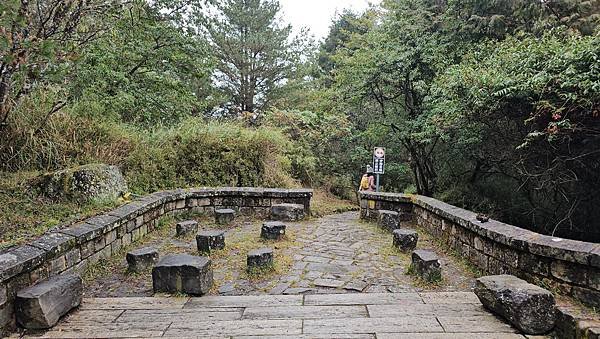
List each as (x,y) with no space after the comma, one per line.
(261,258)
(186,227)
(405,240)
(182,273)
(40,306)
(272,230)
(210,240)
(427,265)
(388,220)
(527,307)
(287,212)
(224,216)
(142,259)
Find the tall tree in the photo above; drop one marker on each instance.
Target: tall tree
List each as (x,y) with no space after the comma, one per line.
(39,41)
(256,54)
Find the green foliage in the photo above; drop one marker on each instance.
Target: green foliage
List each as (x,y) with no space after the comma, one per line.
(320,140)
(147,69)
(195,153)
(509,108)
(491,105)
(34,141)
(256,54)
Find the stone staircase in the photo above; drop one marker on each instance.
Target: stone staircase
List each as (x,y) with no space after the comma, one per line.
(358,315)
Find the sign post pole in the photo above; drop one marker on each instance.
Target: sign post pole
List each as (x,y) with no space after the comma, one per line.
(378,164)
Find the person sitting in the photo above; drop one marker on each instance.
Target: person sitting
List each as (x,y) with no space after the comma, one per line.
(367,182)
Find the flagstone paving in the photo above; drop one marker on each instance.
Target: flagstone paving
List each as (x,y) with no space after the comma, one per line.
(315,292)
(334,254)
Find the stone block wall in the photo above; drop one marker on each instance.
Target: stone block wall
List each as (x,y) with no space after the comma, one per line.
(566,266)
(73,248)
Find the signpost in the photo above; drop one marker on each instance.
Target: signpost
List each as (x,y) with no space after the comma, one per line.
(378,163)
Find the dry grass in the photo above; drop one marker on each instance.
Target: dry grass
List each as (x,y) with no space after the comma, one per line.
(25,215)
(324,203)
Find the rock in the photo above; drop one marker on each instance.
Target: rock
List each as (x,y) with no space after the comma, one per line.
(482,218)
(42,305)
(210,240)
(89,182)
(528,307)
(287,212)
(388,220)
(186,227)
(405,240)
(272,230)
(224,216)
(142,259)
(426,265)
(261,258)
(182,273)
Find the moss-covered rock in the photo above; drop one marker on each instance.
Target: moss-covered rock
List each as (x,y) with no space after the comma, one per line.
(88,182)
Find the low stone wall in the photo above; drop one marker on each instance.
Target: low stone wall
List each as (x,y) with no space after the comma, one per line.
(73,248)
(569,267)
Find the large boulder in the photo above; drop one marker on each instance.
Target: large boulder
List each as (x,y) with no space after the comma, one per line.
(287,212)
(89,182)
(182,273)
(528,307)
(41,306)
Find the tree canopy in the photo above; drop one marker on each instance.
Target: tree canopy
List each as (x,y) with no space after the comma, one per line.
(491,105)
(256,53)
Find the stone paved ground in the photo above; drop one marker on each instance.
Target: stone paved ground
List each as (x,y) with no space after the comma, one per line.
(448,315)
(333,254)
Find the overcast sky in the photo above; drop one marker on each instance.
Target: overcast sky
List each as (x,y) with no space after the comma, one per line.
(316,15)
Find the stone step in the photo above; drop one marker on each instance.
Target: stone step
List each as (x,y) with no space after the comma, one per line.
(376,315)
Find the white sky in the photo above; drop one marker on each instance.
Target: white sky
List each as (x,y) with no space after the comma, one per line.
(316,15)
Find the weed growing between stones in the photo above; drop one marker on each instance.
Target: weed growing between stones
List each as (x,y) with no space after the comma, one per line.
(434,281)
(116,264)
(257,273)
(441,246)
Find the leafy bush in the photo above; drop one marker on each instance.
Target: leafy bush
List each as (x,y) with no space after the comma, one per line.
(522,120)
(34,140)
(196,153)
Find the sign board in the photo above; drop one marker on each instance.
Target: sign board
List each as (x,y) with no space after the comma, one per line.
(379,160)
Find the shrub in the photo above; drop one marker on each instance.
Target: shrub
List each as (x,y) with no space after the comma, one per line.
(196,153)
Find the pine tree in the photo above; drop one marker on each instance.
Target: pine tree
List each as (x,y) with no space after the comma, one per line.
(256,54)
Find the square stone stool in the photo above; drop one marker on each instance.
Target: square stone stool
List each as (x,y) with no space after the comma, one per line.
(272,230)
(182,273)
(426,264)
(142,259)
(224,216)
(210,240)
(260,258)
(405,239)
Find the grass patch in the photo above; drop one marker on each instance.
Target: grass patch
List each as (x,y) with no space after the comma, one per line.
(440,246)
(257,273)
(106,267)
(324,203)
(430,283)
(25,215)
